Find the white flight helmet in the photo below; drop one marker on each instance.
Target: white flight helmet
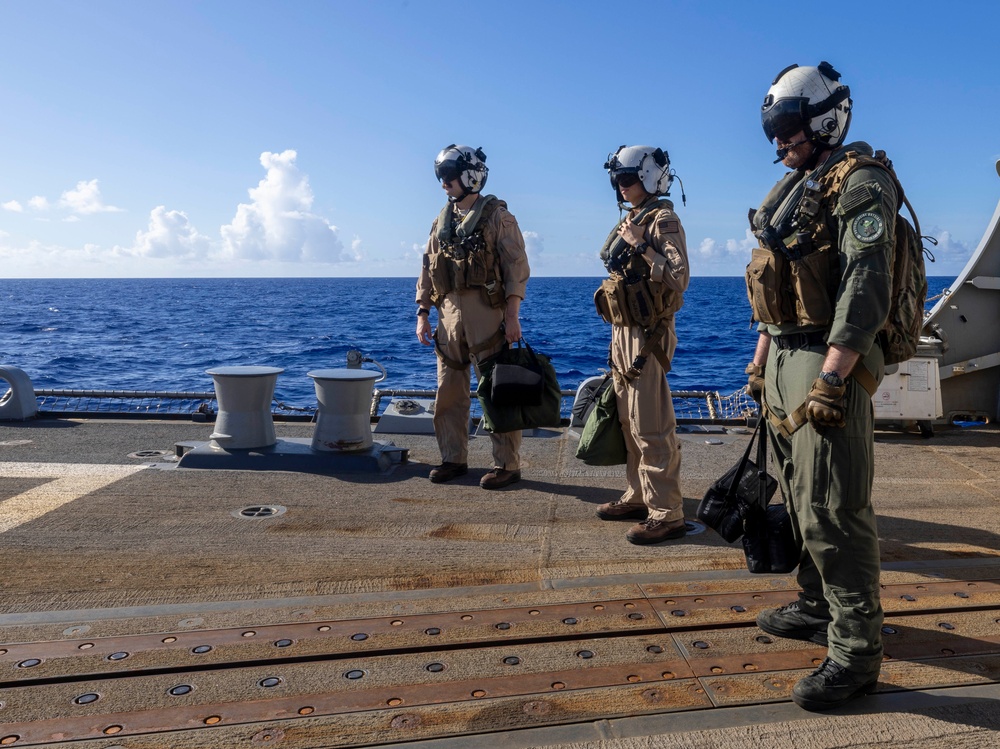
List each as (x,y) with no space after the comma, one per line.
(651,165)
(808,99)
(467,165)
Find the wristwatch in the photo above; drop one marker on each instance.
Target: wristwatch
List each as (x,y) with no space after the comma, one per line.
(832,379)
(422,311)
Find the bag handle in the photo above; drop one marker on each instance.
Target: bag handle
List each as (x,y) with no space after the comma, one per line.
(731,491)
(762,470)
(519,344)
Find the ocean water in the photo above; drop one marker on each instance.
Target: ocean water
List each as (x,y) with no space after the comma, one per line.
(162,334)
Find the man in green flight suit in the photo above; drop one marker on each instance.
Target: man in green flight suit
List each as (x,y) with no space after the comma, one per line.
(820,286)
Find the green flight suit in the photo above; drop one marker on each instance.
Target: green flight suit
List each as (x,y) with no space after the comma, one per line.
(826,478)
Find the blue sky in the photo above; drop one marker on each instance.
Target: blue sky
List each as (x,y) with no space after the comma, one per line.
(245,138)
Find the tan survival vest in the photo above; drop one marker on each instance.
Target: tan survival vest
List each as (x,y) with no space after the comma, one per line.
(795,279)
(799,283)
(466,256)
(628,298)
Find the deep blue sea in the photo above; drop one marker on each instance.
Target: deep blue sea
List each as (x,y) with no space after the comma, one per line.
(153,334)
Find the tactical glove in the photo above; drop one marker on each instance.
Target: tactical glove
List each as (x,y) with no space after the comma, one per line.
(825,405)
(755,381)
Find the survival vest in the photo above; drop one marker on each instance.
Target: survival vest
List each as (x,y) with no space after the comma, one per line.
(796,280)
(628,298)
(466,256)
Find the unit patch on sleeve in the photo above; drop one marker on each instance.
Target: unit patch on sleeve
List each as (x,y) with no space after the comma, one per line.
(867,227)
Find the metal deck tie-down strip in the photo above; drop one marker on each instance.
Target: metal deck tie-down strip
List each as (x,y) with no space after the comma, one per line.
(657,667)
(329,639)
(654,676)
(78,658)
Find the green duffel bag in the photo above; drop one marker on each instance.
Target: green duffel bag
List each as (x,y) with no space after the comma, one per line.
(603,442)
(534,412)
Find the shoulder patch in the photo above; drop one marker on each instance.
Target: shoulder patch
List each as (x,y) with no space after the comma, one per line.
(867,227)
(860,196)
(671,226)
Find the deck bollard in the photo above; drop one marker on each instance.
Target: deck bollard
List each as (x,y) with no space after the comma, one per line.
(343,421)
(18,403)
(244,394)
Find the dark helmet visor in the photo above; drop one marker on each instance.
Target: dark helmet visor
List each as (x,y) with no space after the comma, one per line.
(447,171)
(785,118)
(625,179)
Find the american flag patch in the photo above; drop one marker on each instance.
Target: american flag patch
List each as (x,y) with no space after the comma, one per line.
(672,226)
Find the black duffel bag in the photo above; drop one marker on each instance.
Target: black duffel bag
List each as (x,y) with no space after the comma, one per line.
(738,504)
(768,542)
(724,505)
(518,377)
(519,407)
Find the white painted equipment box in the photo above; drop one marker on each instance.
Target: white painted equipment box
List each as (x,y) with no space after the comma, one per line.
(912,392)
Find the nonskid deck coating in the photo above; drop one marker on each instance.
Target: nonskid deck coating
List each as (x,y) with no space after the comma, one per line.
(110,553)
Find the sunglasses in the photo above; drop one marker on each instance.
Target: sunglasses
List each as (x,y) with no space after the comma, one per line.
(627,180)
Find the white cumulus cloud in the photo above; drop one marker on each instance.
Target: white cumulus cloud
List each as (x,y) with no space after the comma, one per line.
(13,206)
(534,244)
(278,223)
(39,203)
(711,249)
(86,198)
(170,234)
(947,248)
(412,254)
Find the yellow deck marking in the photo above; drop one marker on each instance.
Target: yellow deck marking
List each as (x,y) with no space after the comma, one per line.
(65,482)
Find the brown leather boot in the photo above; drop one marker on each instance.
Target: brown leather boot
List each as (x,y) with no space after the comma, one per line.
(447,472)
(498,478)
(655,531)
(622,510)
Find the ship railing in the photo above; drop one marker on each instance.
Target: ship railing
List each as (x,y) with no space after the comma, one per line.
(690,406)
(70,403)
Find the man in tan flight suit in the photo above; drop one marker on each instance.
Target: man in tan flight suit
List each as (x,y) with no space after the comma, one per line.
(474,272)
(646,255)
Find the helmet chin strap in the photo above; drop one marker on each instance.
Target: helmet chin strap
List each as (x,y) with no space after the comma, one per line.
(622,201)
(460,198)
(465,193)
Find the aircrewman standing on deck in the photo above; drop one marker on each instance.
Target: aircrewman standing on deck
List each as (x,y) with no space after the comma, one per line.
(820,287)
(474,272)
(646,257)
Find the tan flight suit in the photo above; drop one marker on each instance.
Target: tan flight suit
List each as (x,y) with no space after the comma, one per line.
(465,323)
(645,406)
